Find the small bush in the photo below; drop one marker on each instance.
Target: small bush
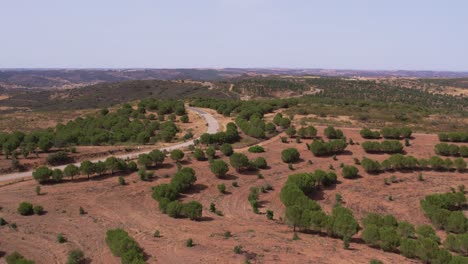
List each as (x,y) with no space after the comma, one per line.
(38,210)
(350,172)
(25,208)
(237,249)
(121,180)
(61,239)
(269,214)
(75,257)
(290,155)
(189,243)
(222,188)
(256,149)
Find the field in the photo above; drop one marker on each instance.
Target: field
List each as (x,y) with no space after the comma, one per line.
(109,205)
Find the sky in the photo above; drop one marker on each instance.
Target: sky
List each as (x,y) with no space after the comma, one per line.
(332,34)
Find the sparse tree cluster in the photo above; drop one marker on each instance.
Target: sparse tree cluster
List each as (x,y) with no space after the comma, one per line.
(332,133)
(402,162)
(124,246)
(386,146)
(321,148)
(454,137)
(444,210)
(396,132)
(445,149)
(167,194)
(369,134)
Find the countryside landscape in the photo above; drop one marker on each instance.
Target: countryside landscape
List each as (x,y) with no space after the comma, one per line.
(233,132)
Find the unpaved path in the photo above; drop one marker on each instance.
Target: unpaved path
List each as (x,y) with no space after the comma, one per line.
(213,127)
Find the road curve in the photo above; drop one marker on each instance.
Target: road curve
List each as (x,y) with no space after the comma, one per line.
(213,127)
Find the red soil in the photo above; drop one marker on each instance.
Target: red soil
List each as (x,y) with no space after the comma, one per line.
(132,208)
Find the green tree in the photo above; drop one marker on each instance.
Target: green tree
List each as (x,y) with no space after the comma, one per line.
(290,155)
(192,210)
(42,174)
(239,161)
(87,167)
(219,168)
(350,172)
(25,208)
(75,256)
(177,155)
(157,157)
(71,171)
(226,149)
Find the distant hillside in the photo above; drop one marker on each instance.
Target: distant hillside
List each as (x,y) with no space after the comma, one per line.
(107,94)
(71,78)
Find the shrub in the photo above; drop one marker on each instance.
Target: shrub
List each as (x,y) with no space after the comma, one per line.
(396,133)
(38,190)
(122,245)
(307,132)
(71,171)
(25,208)
(320,148)
(192,210)
(58,158)
(2,221)
(121,180)
(350,172)
(256,149)
(210,152)
(61,239)
(38,210)
(174,209)
(290,131)
(226,149)
(454,136)
(290,155)
(386,146)
(460,164)
(17,258)
(269,214)
(42,174)
(219,168)
(189,243)
(75,256)
(332,133)
(222,188)
(369,134)
(371,166)
(239,161)
(199,154)
(260,163)
(238,249)
(177,155)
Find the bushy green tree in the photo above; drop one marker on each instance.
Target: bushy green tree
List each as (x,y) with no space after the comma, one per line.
(290,155)
(219,168)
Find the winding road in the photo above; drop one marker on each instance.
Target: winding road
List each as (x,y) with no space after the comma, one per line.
(213,127)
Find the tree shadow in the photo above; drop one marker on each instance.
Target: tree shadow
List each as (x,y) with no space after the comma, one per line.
(196,188)
(229,177)
(205,219)
(262,203)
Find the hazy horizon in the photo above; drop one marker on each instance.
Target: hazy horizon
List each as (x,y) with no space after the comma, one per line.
(333,35)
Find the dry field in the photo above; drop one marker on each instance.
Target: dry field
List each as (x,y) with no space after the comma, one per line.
(131,207)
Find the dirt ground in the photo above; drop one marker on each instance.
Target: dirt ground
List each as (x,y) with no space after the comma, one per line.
(131,207)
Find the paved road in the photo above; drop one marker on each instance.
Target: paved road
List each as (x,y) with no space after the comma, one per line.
(213,127)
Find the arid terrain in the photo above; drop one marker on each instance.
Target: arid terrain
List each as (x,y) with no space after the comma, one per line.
(109,205)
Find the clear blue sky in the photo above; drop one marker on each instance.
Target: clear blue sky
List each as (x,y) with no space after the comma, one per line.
(347,34)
